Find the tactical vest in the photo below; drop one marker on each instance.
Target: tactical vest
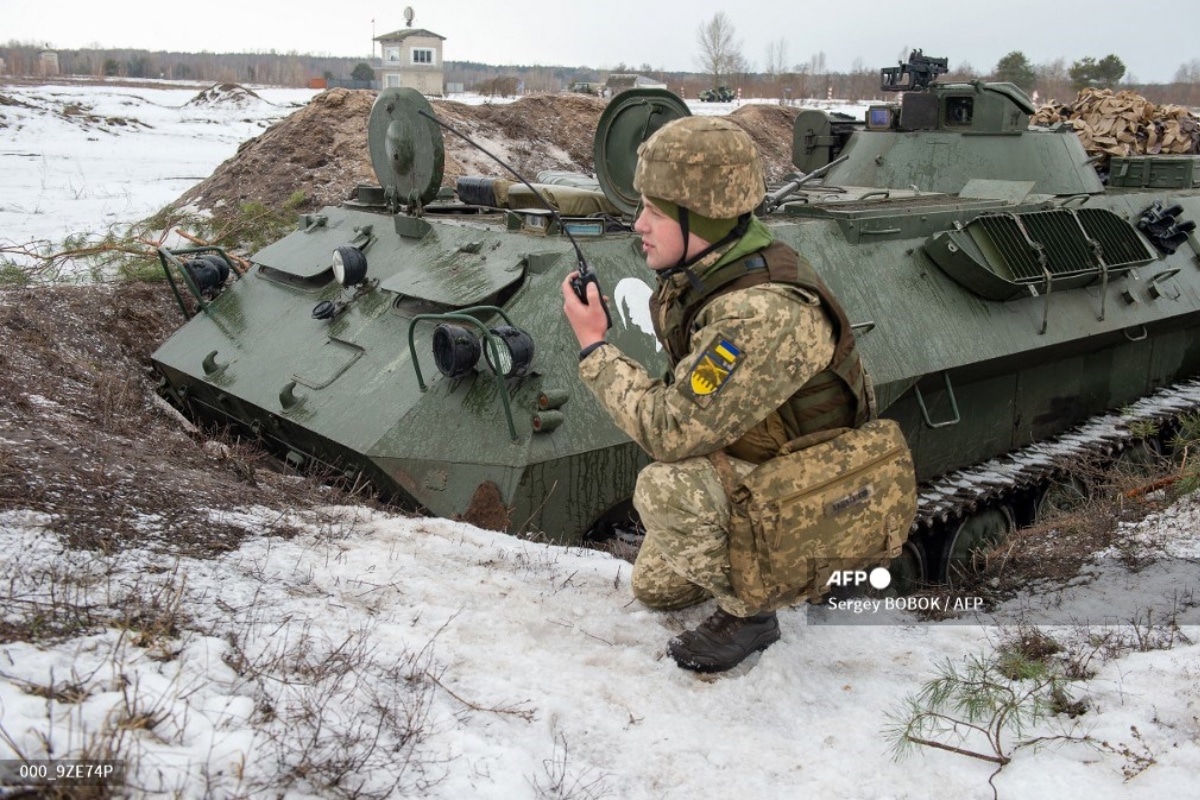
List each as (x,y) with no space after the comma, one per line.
(838,396)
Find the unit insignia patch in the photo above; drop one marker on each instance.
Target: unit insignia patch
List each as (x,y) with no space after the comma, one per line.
(712,370)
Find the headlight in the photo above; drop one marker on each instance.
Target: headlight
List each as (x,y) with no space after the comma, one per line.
(349,265)
(209,273)
(515,351)
(455,350)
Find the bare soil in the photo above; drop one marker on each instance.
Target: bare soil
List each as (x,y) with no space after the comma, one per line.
(321,149)
(85,440)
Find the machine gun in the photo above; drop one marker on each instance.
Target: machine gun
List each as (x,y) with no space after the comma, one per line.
(918,73)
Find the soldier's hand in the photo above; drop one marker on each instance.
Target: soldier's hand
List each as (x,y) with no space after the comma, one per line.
(588,321)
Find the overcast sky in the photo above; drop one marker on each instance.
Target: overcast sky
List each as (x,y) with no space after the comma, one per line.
(604,33)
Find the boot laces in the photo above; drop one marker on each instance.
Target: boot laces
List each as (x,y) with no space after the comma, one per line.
(721,625)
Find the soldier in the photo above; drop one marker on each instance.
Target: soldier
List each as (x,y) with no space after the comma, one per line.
(759,354)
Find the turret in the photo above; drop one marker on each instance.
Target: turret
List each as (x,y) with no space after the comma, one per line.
(938,137)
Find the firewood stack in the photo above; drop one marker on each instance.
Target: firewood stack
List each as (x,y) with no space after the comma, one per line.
(1125,124)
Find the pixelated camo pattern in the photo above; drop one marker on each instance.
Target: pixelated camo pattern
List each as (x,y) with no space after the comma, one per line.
(782,342)
(685,557)
(706,164)
(845,503)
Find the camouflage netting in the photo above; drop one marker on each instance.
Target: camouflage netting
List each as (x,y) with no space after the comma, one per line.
(1125,124)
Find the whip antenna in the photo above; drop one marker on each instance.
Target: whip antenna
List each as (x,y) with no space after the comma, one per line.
(586,273)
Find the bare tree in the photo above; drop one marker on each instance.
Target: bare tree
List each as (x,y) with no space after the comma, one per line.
(798,80)
(720,53)
(961,72)
(819,85)
(863,82)
(817,62)
(1188,72)
(1054,82)
(777,59)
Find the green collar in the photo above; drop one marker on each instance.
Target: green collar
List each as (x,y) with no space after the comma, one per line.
(757,237)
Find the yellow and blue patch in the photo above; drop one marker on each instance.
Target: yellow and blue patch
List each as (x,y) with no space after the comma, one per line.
(712,370)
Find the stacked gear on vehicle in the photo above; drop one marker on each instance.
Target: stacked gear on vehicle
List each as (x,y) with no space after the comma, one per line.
(1124,124)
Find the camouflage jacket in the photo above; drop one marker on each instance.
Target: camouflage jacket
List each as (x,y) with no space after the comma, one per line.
(752,349)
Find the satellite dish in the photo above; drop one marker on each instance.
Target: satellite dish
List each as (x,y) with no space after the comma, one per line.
(408,15)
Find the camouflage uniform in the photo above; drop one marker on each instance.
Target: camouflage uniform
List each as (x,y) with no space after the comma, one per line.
(782,338)
(760,353)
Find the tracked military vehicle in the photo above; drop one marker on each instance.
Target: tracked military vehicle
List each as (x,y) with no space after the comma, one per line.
(721,94)
(1013,311)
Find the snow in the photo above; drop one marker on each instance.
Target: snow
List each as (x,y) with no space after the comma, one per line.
(382,655)
(515,658)
(78,159)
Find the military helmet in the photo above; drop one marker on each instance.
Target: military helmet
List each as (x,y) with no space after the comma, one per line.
(704,164)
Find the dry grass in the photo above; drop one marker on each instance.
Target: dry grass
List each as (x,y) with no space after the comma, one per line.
(86,442)
(1054,548)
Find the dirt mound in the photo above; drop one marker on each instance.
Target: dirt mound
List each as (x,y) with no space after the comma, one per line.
(535,133)
(771,129)
(87,443)
(225,94)
(321,150)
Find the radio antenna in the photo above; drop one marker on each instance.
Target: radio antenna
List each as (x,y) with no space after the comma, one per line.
(578,252)
(586,273)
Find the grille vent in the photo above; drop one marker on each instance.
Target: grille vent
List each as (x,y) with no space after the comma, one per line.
(1068,242)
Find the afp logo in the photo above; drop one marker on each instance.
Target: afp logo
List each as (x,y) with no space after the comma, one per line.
(879,578)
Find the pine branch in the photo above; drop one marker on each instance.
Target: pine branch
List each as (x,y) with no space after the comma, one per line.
(1001,760)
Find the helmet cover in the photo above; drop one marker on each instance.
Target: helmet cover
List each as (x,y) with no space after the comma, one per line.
(707,165)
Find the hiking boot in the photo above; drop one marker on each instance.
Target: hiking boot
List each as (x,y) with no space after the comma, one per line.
(722,641)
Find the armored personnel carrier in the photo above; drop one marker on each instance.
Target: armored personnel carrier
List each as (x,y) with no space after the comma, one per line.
(1014,312)
(721,94)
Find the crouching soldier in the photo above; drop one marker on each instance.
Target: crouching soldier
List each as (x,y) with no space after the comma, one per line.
(760,354)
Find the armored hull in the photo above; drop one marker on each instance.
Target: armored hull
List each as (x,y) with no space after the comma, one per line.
(1001,294)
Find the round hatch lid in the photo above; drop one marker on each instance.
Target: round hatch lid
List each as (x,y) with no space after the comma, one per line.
(627,121)
(407,150)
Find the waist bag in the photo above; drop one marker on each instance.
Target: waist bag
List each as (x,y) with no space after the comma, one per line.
(832,500)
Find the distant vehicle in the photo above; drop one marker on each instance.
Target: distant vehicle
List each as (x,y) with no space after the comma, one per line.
(586,87)
(721,94)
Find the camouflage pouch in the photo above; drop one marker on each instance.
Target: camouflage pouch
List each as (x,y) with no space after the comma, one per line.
(839,499)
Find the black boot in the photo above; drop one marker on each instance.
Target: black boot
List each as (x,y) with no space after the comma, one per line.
(722,641)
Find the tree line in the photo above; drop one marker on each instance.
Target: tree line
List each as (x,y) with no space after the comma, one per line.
(720,60)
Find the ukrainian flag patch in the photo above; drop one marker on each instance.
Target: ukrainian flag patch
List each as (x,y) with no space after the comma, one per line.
(713,369)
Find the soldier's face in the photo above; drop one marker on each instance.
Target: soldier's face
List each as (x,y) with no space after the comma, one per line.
(662,239)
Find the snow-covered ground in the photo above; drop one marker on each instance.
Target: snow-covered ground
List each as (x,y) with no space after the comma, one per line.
(426,658)
(77,159)
(378,655)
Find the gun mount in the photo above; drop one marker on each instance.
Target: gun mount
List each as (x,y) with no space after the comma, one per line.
(917,74)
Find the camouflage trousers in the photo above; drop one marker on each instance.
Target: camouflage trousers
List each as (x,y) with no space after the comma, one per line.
(684,559)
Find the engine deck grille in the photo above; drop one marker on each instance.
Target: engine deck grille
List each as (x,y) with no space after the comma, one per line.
(1064,242)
